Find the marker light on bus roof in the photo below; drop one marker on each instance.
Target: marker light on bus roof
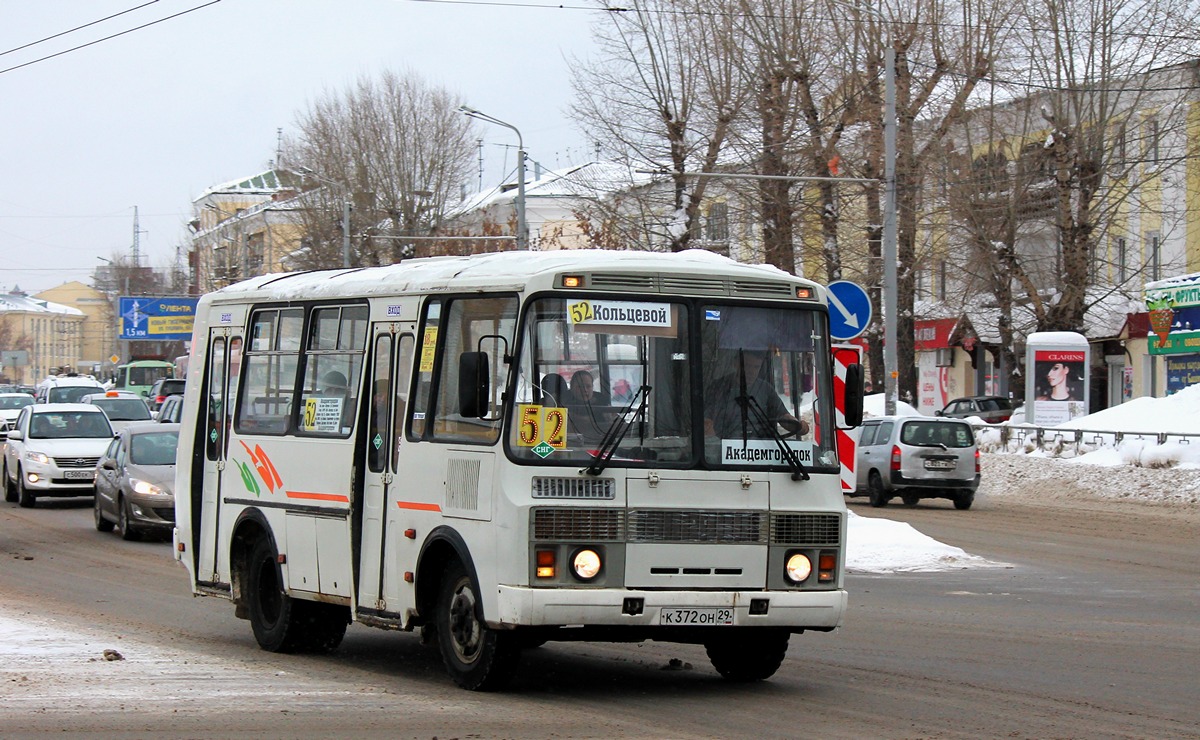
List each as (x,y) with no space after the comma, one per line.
(804,294)
(572,281)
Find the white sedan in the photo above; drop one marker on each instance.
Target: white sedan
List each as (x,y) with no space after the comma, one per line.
(53,451)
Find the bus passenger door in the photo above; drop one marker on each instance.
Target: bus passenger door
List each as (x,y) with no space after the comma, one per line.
(391,362)
(223,357)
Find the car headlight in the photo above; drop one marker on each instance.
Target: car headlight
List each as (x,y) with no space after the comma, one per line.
(798,567)
(37,457)
(586,564)
(141,486)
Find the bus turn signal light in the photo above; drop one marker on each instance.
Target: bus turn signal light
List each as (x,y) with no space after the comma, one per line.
(545,563)
(826,567)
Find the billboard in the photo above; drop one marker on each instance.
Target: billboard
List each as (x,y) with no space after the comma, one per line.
(157,319)
(1056,391)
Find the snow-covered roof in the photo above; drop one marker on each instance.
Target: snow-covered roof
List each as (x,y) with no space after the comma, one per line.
(1106,314)
(593,180)
(264,183)
(497,270)
(21,303)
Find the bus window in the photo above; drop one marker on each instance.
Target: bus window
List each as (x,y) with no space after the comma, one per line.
(404,362)
(469,325)
(265,401)
(332,370)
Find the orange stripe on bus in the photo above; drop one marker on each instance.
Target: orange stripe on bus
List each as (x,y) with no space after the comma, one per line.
(319,496)
(418,506)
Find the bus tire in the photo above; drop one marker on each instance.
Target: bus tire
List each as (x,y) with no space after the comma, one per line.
(272,612)
(322,626)
(477,657)
(748,656)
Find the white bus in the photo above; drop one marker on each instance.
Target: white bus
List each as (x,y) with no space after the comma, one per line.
(402,446)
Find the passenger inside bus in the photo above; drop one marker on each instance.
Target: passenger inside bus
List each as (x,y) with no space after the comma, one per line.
(746,403)
(554,390)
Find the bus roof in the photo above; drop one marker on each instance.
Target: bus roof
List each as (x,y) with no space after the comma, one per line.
(496,271)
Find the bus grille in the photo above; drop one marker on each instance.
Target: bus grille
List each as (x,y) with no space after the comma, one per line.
(590,488)
(691,525)
(691,285)
(578,524)
(806,529)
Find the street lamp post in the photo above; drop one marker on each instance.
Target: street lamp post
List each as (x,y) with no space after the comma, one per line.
(522,235)
(890,281)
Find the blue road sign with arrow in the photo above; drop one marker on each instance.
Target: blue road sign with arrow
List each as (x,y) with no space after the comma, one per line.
(849,310)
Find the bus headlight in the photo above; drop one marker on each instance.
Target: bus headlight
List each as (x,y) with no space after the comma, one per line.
(586,564)
(798,567)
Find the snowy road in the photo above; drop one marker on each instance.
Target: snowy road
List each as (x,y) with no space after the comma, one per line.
(1089,631)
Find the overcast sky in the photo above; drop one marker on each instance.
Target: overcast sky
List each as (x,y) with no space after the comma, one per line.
(154,117)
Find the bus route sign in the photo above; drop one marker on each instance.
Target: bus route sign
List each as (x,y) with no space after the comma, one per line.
(157,319)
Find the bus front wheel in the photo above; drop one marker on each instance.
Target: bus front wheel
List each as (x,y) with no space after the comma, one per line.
(477,657)
(748,656)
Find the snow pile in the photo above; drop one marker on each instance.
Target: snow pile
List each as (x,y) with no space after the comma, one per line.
(884,546)
(873,405)
(1153,434)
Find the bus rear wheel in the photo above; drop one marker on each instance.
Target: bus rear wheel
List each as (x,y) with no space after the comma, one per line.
(748,656)
(282,624)
(477,657)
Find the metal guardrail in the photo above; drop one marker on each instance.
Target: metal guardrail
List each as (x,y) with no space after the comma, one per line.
(1014,437)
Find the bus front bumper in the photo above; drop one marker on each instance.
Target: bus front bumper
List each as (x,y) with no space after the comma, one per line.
(545,607)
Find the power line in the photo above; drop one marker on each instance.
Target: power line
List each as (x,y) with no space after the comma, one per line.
(76,28)
(107,38)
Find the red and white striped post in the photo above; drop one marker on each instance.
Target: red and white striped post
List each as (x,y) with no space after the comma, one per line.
(846,439)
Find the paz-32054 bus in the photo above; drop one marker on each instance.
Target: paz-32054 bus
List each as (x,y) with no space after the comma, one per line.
(515,448)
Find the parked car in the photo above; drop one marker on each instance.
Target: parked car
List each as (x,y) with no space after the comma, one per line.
(67,388)
(171,410)
(135,481)
(162,388)
(53,451)
(992,409)
(122,407)
(916,457)
(10,407)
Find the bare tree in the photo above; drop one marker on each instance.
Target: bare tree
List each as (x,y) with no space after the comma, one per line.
(397,148)
(942,51)
(661,94)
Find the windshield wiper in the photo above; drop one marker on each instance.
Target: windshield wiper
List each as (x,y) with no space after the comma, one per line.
(616,432)
(750,403)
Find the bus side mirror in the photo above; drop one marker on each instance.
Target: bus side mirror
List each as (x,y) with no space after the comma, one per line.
(473,384)
(854,395)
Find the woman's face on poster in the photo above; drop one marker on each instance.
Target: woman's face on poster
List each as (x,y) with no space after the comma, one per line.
(1057,374)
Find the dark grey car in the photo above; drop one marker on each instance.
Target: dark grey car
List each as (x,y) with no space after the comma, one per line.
(916,457)
(135,481)
(992,409)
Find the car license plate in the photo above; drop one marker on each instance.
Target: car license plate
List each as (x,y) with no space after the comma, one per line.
(79,474)
(706,616)
(940,465)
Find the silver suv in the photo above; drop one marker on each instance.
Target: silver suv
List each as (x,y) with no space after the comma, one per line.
(916,457)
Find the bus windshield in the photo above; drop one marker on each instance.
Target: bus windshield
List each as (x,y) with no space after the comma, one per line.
(644,382)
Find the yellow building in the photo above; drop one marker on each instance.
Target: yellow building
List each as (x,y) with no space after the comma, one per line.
(99,324)
(38,337)
(243,228)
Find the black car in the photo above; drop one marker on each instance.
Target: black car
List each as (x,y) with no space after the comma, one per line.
(171,410)
(161,389)
(992,409)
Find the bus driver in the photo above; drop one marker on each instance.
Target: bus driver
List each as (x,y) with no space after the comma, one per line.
(727,409)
